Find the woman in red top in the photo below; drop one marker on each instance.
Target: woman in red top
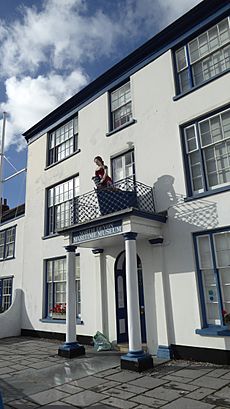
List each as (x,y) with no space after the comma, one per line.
(102,173)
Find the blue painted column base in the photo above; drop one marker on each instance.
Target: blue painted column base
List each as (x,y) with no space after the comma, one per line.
(137,361)
(71,350)
(164,352)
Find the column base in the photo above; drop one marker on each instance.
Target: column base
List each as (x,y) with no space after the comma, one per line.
(138,361)
(164,352)
(71,350)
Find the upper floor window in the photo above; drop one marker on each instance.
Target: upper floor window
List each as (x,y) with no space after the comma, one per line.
(5,293)
(7,243)
(56,287)
(60,201)
(207,153)
(63,141)
(213,250)
(204,57)
(121,106)
(123,166)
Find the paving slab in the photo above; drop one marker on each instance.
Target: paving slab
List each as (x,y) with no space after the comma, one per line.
(71,389)
(200,393)
(119,393)
(184,403)
(104,386)
(48,396)
(89,382)
(164,393)
(219,372)
(84,399)
(124,376)
(147,382)
(119,403)
(132,388)
(209,382)
(23,403)
(192,373)
(145,400)
(218,401)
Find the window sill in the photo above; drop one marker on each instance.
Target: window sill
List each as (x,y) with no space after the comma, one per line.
(62,160)
(7,258)
(179,96)
(50,236)
(214,331)
(206,194)
(54,321)
(133,121)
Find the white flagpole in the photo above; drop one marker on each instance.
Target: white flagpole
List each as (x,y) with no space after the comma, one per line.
(1,162)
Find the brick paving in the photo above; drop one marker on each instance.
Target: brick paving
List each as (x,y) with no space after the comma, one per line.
(32,375)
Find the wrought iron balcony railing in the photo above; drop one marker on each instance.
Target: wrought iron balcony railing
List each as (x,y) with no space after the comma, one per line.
(103,201)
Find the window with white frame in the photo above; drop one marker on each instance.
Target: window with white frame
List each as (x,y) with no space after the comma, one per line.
(5,293)
(213,251)
(207,153)
(60,204)
(56,287)
(7,243)
(63,141)
(204,57)
(123,166)
(121,106)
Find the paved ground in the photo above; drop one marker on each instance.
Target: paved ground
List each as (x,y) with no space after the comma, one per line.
(33,376)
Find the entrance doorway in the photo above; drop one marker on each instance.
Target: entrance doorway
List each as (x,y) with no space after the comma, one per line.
(121,300)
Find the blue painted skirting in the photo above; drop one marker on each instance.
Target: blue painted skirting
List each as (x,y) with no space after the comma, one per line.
(164,352)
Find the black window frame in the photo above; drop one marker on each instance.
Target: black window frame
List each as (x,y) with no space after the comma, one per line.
(48,313)
(207,191)
(52,153)
(114,89)
(50,227)
(185,45)
(6,243)
(2,279)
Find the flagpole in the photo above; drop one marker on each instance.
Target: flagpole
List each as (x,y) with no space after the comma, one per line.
(1,162)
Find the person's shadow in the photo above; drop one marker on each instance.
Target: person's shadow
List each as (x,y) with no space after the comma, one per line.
(164,193)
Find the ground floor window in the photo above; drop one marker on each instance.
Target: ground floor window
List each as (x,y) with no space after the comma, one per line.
(56,287)
(5,293)
(213,265)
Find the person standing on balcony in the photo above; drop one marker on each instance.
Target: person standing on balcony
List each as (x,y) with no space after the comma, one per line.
(101,178)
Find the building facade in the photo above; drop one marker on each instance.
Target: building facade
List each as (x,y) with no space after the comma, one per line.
(151,269)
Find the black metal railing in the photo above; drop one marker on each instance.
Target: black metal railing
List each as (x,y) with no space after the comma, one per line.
(102,201)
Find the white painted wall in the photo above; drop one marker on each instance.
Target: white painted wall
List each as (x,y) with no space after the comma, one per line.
(10,320)
(169,272)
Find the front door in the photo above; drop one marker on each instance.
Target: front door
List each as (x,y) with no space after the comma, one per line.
(121,300)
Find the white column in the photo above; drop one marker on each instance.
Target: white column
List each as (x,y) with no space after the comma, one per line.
(134,327)
(99,305)
(70,295)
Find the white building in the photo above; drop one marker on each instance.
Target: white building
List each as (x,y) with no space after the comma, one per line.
(160,119)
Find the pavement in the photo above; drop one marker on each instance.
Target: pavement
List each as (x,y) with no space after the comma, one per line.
(32,375)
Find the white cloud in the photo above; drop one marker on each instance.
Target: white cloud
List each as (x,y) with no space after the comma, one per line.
(43,52)
(30,99)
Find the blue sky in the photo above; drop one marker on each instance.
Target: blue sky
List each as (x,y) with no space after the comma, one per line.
(50,49)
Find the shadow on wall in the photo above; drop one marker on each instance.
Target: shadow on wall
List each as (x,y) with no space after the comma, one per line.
(198,213)
(11,319)
(184,218)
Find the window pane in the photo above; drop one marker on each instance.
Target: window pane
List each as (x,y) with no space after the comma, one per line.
(194,50)
(222,245)
(190,135)
(181,59)
(184,81)
(224,31)
(204,252)
(195,171)
(61,143)
(211,300)
(226,124)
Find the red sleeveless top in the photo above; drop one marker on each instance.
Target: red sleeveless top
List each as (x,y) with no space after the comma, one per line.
(100,173)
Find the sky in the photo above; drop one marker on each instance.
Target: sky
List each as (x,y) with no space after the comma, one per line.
(50,49)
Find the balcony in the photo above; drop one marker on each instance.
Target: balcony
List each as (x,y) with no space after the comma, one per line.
(125,194)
